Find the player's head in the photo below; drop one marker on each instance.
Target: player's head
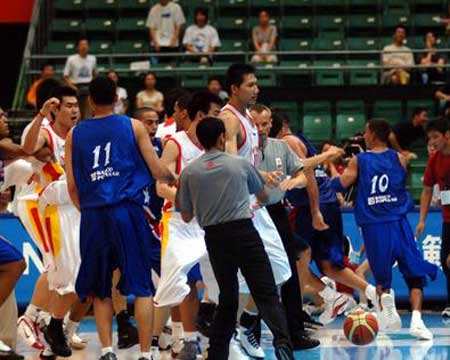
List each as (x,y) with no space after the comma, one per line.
(377,133)
(202,104)
(262,118)
(68,112)
(242,84)
(4,129)
(438,133)
(211,133)
(280,124)
(83,46)
(102,92)
(150,118)
(180,113)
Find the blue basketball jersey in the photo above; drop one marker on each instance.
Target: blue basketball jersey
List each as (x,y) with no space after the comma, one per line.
(299,197)
(381,193)
(153,203)
(107,165)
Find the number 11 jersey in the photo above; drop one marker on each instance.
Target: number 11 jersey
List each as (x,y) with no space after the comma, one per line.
(381,193)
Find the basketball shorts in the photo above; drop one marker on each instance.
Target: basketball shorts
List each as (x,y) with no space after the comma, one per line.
(327,245)
(8,253)
(116,236)
(394,241)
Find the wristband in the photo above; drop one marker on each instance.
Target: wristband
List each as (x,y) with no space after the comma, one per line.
(336,184)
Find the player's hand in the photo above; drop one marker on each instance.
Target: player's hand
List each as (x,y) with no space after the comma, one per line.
(289,184)
(335,152)
(419,228)
(49,106)
(318,223)
(44,155)
(273,178)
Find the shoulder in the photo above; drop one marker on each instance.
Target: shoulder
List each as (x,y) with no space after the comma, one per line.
(159,94)
(91,57)
(388,47)
(140,93)
(155,8)
(72,58)
(175,6)
(191,28)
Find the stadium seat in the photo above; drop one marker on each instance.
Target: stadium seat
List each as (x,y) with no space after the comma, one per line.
(100,47)
(318,127)
(232,23)
(426,22)
(389,110)
(61,48)
(239,4)
(66,26)
(128,47)
(363,76)
(266,78)
(293,24)
(316,107)
(416,184)
(337,4)
(135,5)
(331,24)
(297,3)
(348,125)
(100,25)
(329,77)
(101,5)
(366,43)
(366,23)
(266,4)
(291,109)
(68,5)
(350,107)
(194,79)
(131,25)
(324,44)
(295,44)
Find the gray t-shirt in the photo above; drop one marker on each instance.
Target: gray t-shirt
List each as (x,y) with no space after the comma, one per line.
(216,188)
(278,156)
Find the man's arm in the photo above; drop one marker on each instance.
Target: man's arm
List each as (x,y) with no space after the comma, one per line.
(71,185)
(440,95)
(158,169)
(169,158)
(349,176)
(425,200)
(394,143)
(332,153)
(232,129)
(183,200)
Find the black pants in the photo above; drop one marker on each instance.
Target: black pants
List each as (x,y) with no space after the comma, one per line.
(291,294)
(445,251)
(232,246)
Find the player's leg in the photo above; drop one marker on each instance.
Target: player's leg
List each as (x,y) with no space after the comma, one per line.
(77,312)
(445,263)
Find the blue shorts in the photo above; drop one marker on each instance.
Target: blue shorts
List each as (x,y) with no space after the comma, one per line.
(327,245)
(8,253)
(194,274)
(116,236)
(394,241)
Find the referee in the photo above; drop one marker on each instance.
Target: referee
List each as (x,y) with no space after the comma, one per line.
(216,188)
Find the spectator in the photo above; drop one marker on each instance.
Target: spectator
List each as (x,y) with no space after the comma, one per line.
(164,22)
(215,86)
(47,72)
(397,60)
(404,134)
(150,97)
(434,71)
(5,199)
(79,71)
(201,37)
(264,38)
(121,105)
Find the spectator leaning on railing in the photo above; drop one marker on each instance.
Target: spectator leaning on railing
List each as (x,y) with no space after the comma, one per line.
(397,59)
(264,37)
(434,71)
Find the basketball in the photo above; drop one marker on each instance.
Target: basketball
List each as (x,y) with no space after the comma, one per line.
(361,327)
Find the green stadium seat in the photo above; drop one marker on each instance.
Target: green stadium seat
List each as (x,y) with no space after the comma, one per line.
(232,23)
(68,5)
(266,4)
(135,4)
(290,108)
(330,24)
(291,24)
(318,127)
(61,48)
(369,43)
(350,107)
(233,45)
(365,22)
(297,73)
(331,3)
(128,47)
(329,77)
(266,77)
(131,25)
(295,44)
(234,4)
(193,79)
(101,5)
(102,25)
(425,103)
(324,44)
(316,107)
(363,76)
(348,125)
(427,21)
(100,47)
(365,3)
(389,110)
(297,3)
(66,25)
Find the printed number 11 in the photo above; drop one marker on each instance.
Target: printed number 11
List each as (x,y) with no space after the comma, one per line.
(96,152)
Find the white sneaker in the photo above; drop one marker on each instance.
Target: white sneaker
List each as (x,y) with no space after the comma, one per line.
(371,294)
(28,330)
(250,344)
(76,342)
(351,306)
(334,306)
(155,354)
(236,352)
(389,317)
(446,315)
(419,330)
(4,348)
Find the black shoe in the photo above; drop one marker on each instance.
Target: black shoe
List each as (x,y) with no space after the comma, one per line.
(10,355)
(309,322)
(302,341)
(126,331)
(284,352)
(55,337)
(205,317)
(108,356)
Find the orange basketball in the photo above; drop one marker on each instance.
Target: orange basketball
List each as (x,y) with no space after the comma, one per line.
(361,327)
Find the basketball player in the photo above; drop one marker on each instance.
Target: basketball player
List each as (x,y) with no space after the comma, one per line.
(183,244)
(232,241)
(382,204)
(107,162)
(323,240)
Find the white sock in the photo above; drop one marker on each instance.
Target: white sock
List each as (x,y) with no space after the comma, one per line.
(71,328)
(32,312)
(190,335)
(44,317)
(106,350)
(370,291)
(146,355)
(328,293)
(177,330)
(416,316)
(253,313)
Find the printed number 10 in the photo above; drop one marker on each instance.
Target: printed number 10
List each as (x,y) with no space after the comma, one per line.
(382,181)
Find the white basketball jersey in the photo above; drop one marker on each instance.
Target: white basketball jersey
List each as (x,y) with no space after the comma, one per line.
(249,149)
(56,144)
(188,151)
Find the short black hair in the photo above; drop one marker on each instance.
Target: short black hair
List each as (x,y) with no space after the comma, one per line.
(171,97)
(102,91)
(418,110)
(236,73)
(279,118)
(440,125)
(147,74)
(400,26)
(63,91)
(45,91)
(209,130)
(381,129)
(201,10)
(139,112)
(201,101)
(184,100)
(46,65)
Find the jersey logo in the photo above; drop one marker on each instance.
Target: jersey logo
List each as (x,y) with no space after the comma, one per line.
(210,165)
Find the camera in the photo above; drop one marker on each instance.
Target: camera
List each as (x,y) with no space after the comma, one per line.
(353,146)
